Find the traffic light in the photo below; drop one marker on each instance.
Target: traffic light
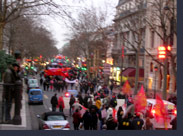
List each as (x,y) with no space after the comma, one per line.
(161,52)
(32,67)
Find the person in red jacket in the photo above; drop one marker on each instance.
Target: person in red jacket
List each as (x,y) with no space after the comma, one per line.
(61,104)
(76,119)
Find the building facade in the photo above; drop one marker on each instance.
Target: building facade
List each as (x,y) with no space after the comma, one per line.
(145,14)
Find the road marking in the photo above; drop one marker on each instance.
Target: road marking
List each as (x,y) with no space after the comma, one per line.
(45,96)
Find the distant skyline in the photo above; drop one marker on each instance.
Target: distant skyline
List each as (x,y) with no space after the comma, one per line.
(57,27)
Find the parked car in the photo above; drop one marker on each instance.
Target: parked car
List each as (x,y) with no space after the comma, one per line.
(53,121)
(35,96)
(32,84)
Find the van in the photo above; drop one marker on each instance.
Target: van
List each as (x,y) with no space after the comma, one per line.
(35,96)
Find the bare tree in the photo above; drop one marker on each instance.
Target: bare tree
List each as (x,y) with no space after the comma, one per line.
(162,21)
(24,35)
(87,30)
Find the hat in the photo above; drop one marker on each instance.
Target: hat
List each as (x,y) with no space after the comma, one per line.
(15,65)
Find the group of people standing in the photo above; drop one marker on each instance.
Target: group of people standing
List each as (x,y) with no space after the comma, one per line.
(105,117)
(57,103)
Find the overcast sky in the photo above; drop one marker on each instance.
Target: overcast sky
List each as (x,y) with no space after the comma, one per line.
(59,29)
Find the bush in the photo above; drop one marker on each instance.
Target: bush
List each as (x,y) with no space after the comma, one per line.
(5,61)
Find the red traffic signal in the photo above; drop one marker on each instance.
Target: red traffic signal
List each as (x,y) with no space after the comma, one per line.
(162,50)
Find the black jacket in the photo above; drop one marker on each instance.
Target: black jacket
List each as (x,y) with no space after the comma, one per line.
(111,125)
(87,119)
(137,123)
(54,101)
(72,100)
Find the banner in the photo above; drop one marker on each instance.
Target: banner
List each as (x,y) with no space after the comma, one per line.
(69,81)
(126,88)
(161,111)
(140,101)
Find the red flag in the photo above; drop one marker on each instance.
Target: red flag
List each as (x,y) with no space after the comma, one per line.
(140,101)
(126,88)
(160,111)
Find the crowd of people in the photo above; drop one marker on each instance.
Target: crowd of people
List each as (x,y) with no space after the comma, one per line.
(100,103)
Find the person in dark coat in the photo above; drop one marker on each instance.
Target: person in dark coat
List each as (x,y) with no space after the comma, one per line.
(111,124)
(137,122)
(44,85)
(87,120)
(113,102)
(94,119)
(85,87)
(71,102)
(76,119)
(85,101)
(174,123)
(80,98)
(120,109)
(126,123)
(41,81)
(54,102)
(10,79)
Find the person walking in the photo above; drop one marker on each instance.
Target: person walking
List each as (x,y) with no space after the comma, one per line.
(174,123)
(98,103)
(87,120)
(71,102)
(54,102)
(41,81)
(137,122)
(85,101)
(103,116)
(111,124)
(148,124)
(76,119)
(61,104)
(80,98)
(94,119)
(51,84)
(44,85)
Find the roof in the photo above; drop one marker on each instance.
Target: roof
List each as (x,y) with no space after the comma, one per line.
(54,113)
(153,101)
(35,90)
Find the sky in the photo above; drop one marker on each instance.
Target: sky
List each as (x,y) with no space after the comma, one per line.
(56,24)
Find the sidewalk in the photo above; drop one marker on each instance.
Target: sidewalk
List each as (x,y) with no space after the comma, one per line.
(23,126)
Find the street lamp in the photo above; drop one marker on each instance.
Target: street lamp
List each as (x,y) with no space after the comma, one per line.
(155,69)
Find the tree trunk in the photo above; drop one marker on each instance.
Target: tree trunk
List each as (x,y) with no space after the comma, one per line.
(137,72)
(1,35)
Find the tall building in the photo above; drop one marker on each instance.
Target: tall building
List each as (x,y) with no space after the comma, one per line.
(150,31)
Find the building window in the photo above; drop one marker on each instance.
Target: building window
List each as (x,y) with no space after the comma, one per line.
(152,39)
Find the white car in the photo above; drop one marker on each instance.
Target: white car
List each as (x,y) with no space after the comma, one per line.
(171,108)
(53,121)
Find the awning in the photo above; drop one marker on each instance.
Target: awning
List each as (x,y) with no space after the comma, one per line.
(130,72)
(127,71)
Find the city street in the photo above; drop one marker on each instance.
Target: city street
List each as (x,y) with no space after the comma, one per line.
(119,58)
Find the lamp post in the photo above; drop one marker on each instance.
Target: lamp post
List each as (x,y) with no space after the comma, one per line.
(155,69)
